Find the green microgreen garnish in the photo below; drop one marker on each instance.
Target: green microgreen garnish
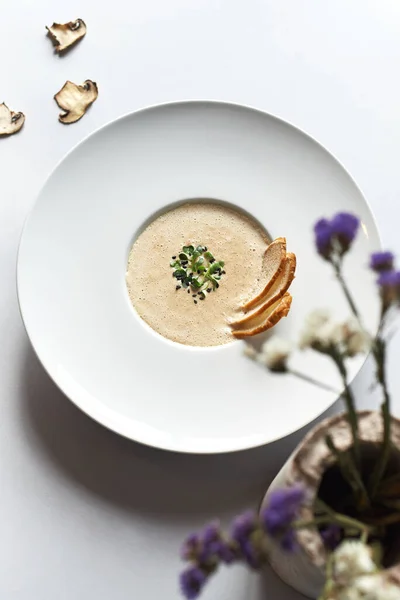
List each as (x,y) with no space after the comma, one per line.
(196,270)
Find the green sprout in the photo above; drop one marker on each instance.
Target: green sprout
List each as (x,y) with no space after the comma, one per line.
(196,270)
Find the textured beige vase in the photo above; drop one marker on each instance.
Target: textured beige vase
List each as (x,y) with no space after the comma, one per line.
(304,570)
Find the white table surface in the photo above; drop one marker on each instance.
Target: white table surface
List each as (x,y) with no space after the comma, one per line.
(85,514)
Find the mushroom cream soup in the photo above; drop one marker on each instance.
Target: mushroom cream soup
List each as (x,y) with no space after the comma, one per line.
(223,247)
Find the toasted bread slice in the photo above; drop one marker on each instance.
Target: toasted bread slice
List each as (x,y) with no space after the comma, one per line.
(273,263)
(275,293)
(267,319)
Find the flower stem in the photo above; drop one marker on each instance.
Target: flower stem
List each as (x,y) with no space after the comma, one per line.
(379,354)
(364,536)
(329,583)
(350,473)
(350,405)
(379,351)
(334,518)
(310,379)
(337,265)
(342,519)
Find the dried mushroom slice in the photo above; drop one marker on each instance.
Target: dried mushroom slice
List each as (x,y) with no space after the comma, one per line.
(65,35)
(10,122)
(75,100)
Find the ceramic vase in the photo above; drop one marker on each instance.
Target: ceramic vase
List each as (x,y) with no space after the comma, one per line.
(304,570)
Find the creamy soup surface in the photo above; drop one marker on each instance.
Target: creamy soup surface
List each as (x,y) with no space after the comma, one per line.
(231,236)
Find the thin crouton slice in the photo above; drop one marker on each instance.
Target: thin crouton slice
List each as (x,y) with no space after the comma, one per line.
(267,319)
(275,293)
(273,264)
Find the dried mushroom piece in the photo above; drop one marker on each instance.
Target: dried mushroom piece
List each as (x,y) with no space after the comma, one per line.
(10,122)
(65,35)
(75,100)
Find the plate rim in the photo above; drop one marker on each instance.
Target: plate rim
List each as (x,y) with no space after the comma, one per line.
(99,418)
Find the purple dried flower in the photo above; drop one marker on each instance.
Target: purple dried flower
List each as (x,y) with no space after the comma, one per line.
(210,542)
(190,547)
(381,261)
(389,279)
(243,526)
(281,511)
(289,499)
(250,554)
(345,227)
(192,581)
(331,536)
(207,554)
(274,520)
(208,549)
(217,550)
(342,229)
(243,529)
(323,237)
(211,533)
(224,552)
(389,282)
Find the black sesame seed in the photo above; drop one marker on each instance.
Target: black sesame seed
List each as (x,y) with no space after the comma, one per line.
(223,273)
(174,257)
(205,248)
(178,287)
(201,297)
(188,291)
(195,301)
(194,295)
(217,285)
(208,290)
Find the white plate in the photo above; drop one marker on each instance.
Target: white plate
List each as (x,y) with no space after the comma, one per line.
(73,255)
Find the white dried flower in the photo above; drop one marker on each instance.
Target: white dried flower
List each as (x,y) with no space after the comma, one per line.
(319,330)
(388,591)
(356,340)
(329,334)
(350,560)
(313,322)
(370,587)
(362,588)
(322,333)
(275,353)
(250,351)
(317,317)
